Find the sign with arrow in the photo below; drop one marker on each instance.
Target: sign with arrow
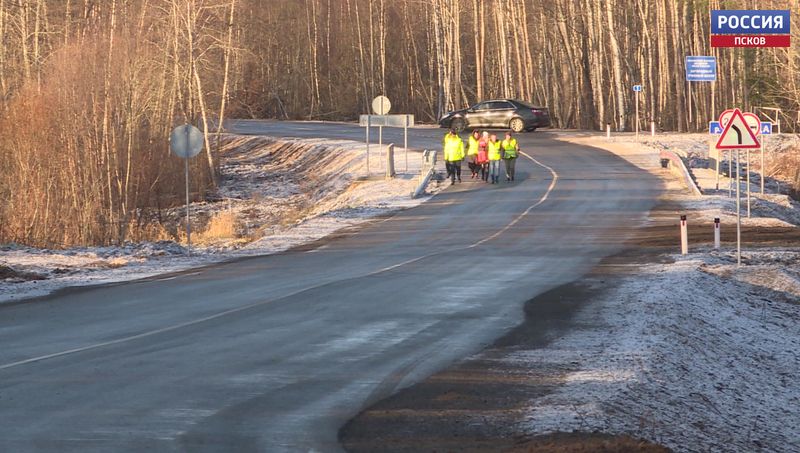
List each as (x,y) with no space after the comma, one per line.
(737,134)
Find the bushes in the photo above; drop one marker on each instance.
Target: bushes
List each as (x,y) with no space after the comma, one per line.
(86,158)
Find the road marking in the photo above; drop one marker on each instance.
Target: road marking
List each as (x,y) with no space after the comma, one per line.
(265,302)
(495,235)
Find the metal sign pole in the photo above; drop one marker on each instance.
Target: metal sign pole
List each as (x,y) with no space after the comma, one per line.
(748,183)
(405,141)
(730,174)
(368,121)
(763,170)
(636,126)
(380,144)
(718,155)
(738,212)
(188,225)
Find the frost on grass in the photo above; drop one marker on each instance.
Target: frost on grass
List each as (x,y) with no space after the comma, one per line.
(698,355)
(273,195)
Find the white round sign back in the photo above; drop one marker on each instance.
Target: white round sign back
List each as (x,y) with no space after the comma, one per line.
(753,122)
(381,105)
(186,141)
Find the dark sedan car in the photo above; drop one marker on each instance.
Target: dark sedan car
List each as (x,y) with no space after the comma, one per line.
(498,114)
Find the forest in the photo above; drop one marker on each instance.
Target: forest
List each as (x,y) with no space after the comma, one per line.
(89,89)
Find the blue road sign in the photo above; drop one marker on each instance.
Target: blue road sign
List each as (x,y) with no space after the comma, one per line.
(715,128)
(637,88)
(741,22)
(701,69)
(766,128)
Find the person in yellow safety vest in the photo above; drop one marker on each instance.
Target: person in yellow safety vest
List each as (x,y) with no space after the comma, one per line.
(453,155)
(472,153)
(510,154)
(495,154)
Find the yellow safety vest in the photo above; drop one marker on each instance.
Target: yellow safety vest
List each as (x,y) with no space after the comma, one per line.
(453,148)
(494,151)
(510,148)
(472,150)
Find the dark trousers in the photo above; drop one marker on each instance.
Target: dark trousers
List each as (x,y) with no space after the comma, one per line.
(484,171)
(474,167)
(511,168)
(453,170)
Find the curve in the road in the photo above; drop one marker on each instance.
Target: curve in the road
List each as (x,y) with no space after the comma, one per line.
(248,307)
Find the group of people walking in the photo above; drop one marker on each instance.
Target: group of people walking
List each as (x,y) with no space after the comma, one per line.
(484,153)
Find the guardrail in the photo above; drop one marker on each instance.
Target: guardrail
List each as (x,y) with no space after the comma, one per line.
(426,172)
(677,165)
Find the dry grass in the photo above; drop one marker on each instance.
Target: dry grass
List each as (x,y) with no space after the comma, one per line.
(222,226)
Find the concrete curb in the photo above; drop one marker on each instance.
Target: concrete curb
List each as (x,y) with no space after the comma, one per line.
(677,165)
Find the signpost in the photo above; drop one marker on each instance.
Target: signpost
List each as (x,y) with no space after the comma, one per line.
(755,126)
(381,106)
(636,126)
(186,142)
(701,69)
(737,136)
(715,128)
(766,129)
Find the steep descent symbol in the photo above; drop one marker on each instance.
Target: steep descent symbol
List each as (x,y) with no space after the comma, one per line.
(737,134)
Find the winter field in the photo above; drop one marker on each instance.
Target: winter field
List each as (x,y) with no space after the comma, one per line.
(274,195)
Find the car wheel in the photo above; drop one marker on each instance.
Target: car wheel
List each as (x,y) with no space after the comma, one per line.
(458,124)
(517,125)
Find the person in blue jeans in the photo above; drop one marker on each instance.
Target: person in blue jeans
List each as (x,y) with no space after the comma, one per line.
(495,155)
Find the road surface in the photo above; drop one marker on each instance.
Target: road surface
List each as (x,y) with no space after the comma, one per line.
(276,353)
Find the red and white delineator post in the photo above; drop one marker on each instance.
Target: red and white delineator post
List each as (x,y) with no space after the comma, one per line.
(716,234)
(684,236)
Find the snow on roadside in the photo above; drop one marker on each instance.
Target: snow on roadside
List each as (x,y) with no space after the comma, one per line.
(274,195)
(698,355)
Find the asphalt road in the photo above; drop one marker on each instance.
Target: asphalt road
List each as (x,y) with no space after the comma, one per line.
(276,353)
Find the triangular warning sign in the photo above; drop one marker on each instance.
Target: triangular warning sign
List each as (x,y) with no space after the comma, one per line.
(737,134)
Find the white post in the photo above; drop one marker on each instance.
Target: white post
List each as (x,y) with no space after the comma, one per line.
(684,236)
(368,123)
(380,144)
(636,126)
(730,174)
(763,170)
(748,183)
(717,153)
(716,234)
(188,224)
(652,128)
(738,212)
(608,131)
(405,142)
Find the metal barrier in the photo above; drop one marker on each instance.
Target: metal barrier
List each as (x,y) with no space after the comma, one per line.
(674,162)
(426,172)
